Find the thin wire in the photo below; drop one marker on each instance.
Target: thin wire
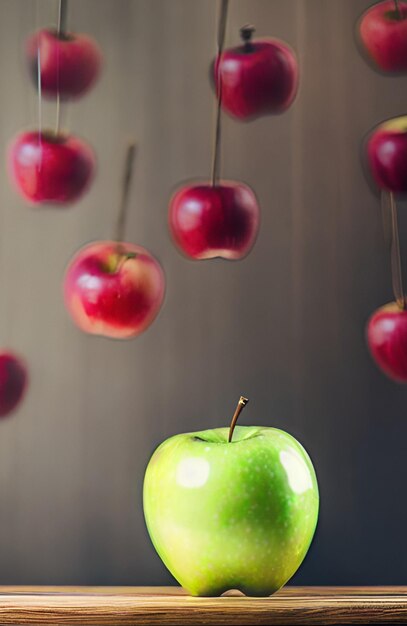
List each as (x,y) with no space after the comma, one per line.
(223,11)
(395,255)
(62,15)
(126,186)
(58,113)
(39,91)
(386,219)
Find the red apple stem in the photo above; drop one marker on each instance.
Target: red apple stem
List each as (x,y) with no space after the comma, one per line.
(240,406)
(395,254)
(396,4)
(246,34)
(125,194)
(223,12)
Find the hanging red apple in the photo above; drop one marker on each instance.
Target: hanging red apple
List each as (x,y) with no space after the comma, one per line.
(257,78)
(13,382)
(387,155)
(50,168)
(383,35)
(387,340)
(114,289)
(217,218)
(214,220)
(69,63)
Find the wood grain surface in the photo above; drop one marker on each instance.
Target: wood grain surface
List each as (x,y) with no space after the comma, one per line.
(105,606)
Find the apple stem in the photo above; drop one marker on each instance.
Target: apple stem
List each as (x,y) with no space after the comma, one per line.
(396,4)
(246,34)
(126,185)
(240,406)
(123,258)
(388,200)
(223,11)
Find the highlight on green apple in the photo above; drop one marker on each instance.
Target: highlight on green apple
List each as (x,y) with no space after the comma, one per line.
(231,508)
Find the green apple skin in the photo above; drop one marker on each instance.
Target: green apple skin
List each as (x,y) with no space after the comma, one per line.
(237,515)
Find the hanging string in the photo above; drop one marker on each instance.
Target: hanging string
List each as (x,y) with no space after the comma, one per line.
(39,86)
(61,28)
(386,219)
(58,113)
(223,10)
(125,191)
(39,92)
(397,276)
(62,15)
(389,206)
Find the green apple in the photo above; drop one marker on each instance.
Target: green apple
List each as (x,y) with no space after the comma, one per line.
(231,513)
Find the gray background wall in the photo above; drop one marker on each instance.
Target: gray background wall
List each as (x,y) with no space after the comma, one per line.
(284,327)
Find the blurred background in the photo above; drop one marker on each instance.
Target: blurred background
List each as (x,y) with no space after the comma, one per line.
(284,327)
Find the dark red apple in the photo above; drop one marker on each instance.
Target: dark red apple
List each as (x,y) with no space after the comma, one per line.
(13,382)
(387,155)
(50,169)
(70,63)
(387,340)
(259,77)
(208,221)
(383,35)
(114,289)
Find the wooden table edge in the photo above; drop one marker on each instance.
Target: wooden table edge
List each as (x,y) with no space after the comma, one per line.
(127,606)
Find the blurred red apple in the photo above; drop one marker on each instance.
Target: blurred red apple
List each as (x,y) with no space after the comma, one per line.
(70,63)
(114,289)
(13,382)
(387,340)
(49,168)
(208,221)
(383,34)
(387,155)
(258,78)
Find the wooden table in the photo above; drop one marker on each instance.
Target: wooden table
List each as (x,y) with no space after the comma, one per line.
(170,605)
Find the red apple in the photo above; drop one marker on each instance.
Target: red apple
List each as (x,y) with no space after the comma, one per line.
(70,63)
(387,340)
(50,169)
(383,34)
(258,78)
(208,221)
(114,289)
(13,382)
(387,155)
